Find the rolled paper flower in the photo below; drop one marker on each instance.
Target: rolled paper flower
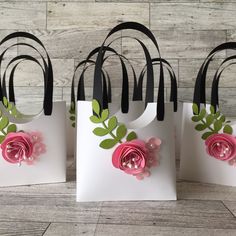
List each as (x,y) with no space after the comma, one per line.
(131,157)
(17,147)
(221,146)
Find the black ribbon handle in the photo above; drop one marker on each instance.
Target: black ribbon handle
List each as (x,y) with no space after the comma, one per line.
(48,88)
(200,84)
(97,90)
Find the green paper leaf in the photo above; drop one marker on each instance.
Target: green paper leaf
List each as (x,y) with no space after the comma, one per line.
(131,136)
(95,119)
(206,135)
(96,107)
(200,127)
(202,113)
(11,128)
(100,131)
(105,114)
(121,131)
(5,102)
(4,122)
(195,108)
(108,143)
(217,114)
(112,123)
(222,118)
(196,118)
(2,137)
(228,129)
(73,125)
(217,125)
(9,107)
(72,112)
(72,118)
(212,109)
(209,119)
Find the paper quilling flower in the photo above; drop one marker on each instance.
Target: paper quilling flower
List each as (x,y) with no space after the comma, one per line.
(219,139)
(19,146)
(134,156)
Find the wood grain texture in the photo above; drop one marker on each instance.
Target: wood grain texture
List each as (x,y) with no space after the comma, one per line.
(188,70)
(29,100)
(231,205)
(71,43)
(207,214)
(113,67)
(18,228)
(227,98)
(72,229)
(13,50)
(176,43)
(104,15)
(194,16)
(22,15)
(130,230)
(28,73)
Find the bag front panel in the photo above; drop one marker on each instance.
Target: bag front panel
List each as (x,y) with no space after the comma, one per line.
(51,166)
(98,180)
(195,163)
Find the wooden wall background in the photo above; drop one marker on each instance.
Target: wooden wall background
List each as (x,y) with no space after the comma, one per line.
(186,31)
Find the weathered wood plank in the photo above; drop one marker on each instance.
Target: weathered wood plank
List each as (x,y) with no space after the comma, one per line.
(71,43)
(227,98)
(29,100)
(29,73)
(193,16)
(130,230)
(201,191)
(12,51)
(231,205)
(164,1)
(22,15)
(188,70)
(113,67)
(175,43)
(47,208)
(104,15)
(22,228)
(203,214)
(72,229)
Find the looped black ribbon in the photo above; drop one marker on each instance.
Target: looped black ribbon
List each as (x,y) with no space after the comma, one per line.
(97,89)
(200,84)
(47,71)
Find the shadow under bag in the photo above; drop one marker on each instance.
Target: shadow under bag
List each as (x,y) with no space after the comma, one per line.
(33,147)
(122,156)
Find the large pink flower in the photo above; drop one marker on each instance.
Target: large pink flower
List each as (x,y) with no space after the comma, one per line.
(130,157)
(221,146)
(136,157)
(17,147)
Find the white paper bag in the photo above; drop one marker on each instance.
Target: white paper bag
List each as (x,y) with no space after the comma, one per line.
(33,148)
(210,160)
(97,177)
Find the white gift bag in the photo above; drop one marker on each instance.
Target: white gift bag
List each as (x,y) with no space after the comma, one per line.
(108,170)
(208,147)
(33,148)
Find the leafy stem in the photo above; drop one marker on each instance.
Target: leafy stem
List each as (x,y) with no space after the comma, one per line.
(109,126)
(110,132)
(209,127)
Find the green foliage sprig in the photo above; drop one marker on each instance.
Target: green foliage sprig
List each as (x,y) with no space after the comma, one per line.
(11,108)
(213,122)
(110,126)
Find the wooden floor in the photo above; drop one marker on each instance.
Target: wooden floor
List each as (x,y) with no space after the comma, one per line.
(202,209)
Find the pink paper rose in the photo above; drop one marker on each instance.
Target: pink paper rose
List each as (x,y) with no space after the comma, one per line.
(22,146)
(221,146)
(17,147)
(136,157)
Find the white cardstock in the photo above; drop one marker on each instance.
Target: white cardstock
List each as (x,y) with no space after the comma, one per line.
(98,180)
(195,163)
(51,166)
